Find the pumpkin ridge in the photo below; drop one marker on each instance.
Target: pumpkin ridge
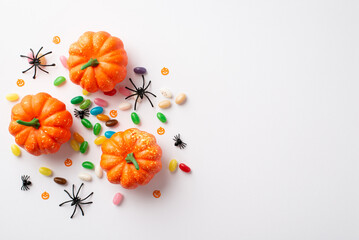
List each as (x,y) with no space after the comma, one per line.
(98,48)
(42,107)
(103,44)
(25,106)
(29,130)
(41,117)
(44,119)
(114,144)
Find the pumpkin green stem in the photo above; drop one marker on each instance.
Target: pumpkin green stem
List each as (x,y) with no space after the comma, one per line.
(131,159)
(91,63)
(33,123)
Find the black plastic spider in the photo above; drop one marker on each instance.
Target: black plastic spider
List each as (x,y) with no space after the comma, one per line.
(25,182)
(141,91)
(36,62)
(82,113)
(178,142)
(76,200)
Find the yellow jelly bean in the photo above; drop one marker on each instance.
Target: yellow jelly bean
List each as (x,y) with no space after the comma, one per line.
(12,97)
(75,146)
(84,92)
(45,171)
(100,140)
(15,150)
(173,165)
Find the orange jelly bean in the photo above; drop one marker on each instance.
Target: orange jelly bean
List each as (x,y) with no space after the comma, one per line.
(78,138)
(103,117)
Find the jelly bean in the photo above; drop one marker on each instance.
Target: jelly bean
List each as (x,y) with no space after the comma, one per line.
(86,123)
(103,117)
(85,104)
(124,91)
(135,118)
(117,199)
(140,70)
(88,165)
(181,98)
(98,171)
(45,171)
(101,102)
(161,117)
(78,137)
(75,146)
(97,129)
(173,165)
(63,61)
(100,140)
(12,97)
(77,100)
(108,134)
(85,177)
(60,180)
(15,150)
(59,80)
(166,93)
(84,146)
(84,92)
(184,167)
(96,111)
(111,123)
(125,106)
(164,104)
(110,93)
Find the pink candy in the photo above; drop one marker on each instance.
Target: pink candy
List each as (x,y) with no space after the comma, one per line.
(101,102)
(124,91)
(63,61)
(117,198)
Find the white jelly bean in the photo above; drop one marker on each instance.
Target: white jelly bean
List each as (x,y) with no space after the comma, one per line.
(85,177)
(181,98)
(125,106)
(166,93)
(98,171)
(117,198)
(164,104)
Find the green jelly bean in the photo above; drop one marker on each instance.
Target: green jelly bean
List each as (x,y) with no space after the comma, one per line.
(77,100)
(161,117)
(88,165)
(135,118)
(97,129)
(86,104)
(59,80)
(84,146)
(86,123)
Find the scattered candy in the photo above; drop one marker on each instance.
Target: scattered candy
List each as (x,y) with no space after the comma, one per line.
(20,82)
(140,70)
(97,129)
(15,150)
(88,165)
(181,98)
(157,193)
(101,102)
(111,123)
(108,134)
(96,111)
(77,100)
(56,40)
(86,123)
(165,71)
(12,97)
(78,137)
(84,92)
(161,117)
(45,171)
(98,171)
(166,92)
(68,162)
(184,167)
(59,180)
(164,104)
(125,106)
(124,91)
(45,195)
(117,198)
(110,93)
(113,113)
(59,80)
(100,140)
(85,177)
(103,117)
(173,165)
(63,61)
(84,146)
(85,104)
(135,118)
(161,131)
(75,146)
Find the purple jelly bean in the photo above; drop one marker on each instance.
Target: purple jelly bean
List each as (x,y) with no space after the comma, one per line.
(140,70)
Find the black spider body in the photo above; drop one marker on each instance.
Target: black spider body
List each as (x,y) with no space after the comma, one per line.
(76,200)
(82,113)
(178,142)
(140,92)
(25,182)
(36,62)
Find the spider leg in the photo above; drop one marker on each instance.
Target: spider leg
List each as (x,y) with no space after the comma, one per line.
(43,55)
(74,211)
(26,57)
(83,214)
(27,177)
(86,197)
(147,85)
(143,81)
(68,194)
(86,202)
(151,93)
(78,191)
(64,203)
(23,177)
(34,73)
(131,89)
(33,54)
(42,69)
(37,54)
(28,69)
(131,96)
(149,100)
(133,84)
(51,65)
(136,101)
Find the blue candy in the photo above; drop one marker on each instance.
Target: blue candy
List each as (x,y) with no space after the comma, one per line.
(108,134)
(96,111)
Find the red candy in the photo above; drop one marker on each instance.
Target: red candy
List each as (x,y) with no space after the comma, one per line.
(110,93)
(184,167)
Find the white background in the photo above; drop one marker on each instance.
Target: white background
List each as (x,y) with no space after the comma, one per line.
(271,120)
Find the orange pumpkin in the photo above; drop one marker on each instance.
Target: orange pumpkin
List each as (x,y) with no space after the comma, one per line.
(131,158)
(97,61)
(40,124)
